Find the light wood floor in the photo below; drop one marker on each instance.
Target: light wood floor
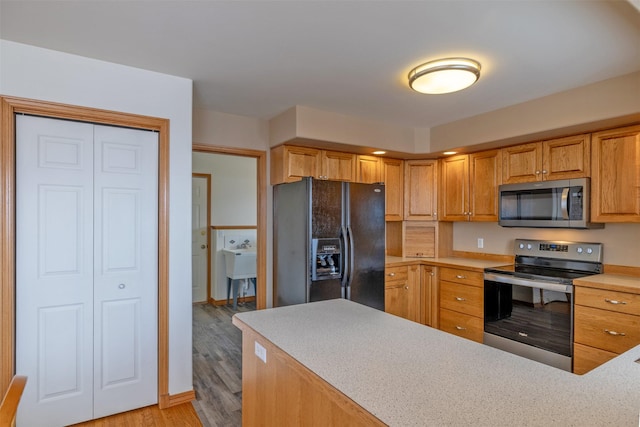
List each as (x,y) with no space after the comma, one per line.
(181,415)
(217,380)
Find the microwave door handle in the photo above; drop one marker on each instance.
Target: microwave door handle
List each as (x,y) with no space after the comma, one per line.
(564,202)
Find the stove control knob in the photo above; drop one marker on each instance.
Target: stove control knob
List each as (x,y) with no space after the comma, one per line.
(579,250)
(521,245)
(589,251)
(529,247)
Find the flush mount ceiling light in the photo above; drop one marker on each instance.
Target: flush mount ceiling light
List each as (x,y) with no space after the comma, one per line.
(444,75)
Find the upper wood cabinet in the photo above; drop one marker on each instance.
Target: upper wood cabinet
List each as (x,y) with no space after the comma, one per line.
(561,158)
(368,169)
(337,166)
(454,188)
(420,190)
(291,163)
(393,178)
(469,187)
(615,175)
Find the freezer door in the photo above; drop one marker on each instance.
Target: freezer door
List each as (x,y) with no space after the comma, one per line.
(326,208)
(326,222)
(364,207)
(291,214)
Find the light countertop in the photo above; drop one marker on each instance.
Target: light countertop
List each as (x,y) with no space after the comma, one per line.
(468,263)
(405,373)
(613,282)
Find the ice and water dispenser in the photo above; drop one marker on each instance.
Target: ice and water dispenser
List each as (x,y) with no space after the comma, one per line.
(326,259)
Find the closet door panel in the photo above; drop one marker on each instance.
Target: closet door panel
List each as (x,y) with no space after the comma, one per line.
(54,270)
(125,270)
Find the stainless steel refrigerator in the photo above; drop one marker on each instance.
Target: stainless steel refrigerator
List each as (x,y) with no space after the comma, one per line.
(329,242)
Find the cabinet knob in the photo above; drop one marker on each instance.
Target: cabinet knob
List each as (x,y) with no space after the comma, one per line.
(121,286)
(544,172)
(461,328)
(614,333)
(435,214)
(460,299)
(460,276)
(615,302)
(391,274)
(406,287)
(537,172)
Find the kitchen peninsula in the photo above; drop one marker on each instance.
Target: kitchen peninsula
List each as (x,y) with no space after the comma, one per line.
(337,362)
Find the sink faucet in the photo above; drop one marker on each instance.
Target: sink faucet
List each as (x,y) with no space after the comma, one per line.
(245,244)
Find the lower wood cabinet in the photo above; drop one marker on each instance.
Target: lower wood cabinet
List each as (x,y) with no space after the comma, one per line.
(462,325)
(461,297)
(606,323)
(402,292)
(410,292)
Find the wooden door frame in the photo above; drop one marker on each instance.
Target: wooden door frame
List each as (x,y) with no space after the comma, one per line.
(261,214)
(9,106)
(207,177)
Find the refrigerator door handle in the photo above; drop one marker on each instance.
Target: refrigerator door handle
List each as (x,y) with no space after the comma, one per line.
(351,255)
(344,259)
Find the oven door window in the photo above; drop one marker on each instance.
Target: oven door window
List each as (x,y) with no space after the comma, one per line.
(533,316)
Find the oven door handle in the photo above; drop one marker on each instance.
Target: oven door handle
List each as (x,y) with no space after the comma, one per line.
(510,280)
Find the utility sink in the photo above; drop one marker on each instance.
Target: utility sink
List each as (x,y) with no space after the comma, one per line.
(240,263)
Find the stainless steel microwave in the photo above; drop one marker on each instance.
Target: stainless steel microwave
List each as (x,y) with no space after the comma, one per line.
(553,204)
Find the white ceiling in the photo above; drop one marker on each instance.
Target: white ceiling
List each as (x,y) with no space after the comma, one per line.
(259,58)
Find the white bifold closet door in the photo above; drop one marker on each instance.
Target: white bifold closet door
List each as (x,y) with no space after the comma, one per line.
(86,269)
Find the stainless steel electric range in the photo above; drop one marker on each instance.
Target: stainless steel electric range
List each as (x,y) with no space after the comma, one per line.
(528,306)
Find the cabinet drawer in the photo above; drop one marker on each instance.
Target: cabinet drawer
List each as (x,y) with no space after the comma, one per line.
(462,325)
(462,298)
(473,278)
(396,273)
(604,329)
(586,358)
(621,302)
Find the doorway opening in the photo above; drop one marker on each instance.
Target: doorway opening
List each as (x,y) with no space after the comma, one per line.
(237,218)
(238,232)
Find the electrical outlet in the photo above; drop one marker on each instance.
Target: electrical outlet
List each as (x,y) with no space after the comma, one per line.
(480,243)
(261,352)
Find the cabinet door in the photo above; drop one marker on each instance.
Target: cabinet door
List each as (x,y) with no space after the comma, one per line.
(485,173)
(454,188)
(393,177)
(289,164)
(400,299)
(403,291)
(586,358)
(338,166)
(368,169)
(606,330)
(428,296)
(420,195)
(462,325)
(615,175)
(566,158)
(522,163)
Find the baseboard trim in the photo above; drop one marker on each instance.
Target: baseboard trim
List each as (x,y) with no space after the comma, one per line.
(224,301)
(169,400)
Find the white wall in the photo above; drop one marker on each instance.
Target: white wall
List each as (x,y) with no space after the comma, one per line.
(233,187)
(30,72)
